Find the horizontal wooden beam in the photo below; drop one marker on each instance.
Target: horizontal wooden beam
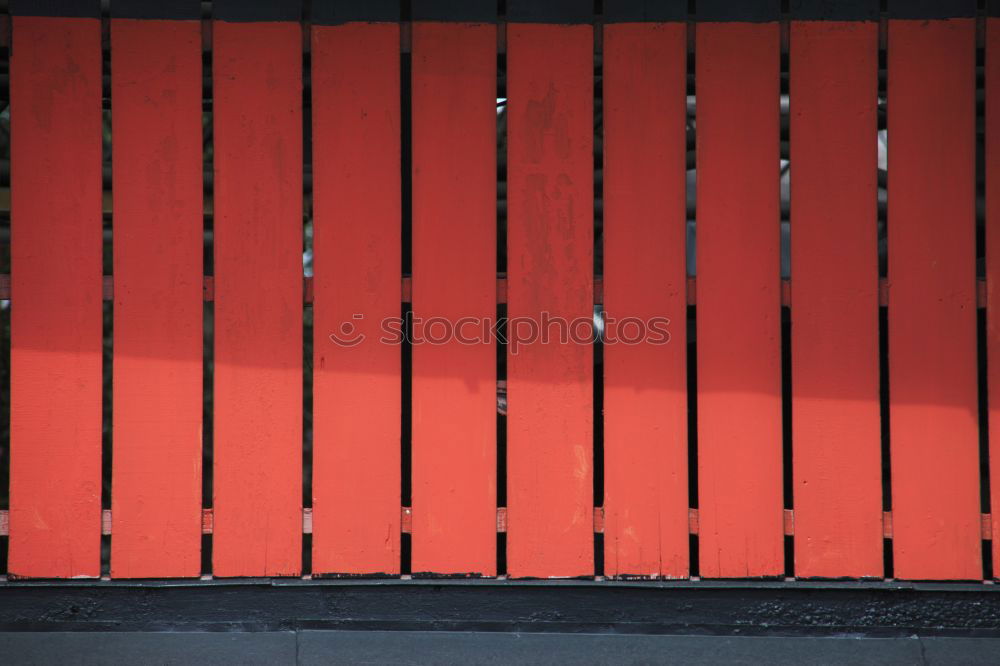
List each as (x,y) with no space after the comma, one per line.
(788,516)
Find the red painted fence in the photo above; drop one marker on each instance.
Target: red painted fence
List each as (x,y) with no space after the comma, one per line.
(391,410)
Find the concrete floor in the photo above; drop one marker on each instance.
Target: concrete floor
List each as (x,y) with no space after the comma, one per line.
(405,647)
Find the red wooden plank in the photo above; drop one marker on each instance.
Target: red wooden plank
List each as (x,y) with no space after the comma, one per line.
(993,266)
(357,212)
(157,384)
(550,260)
(645,384)
(55,410)
(835,382)
(739,300)
(932,316)
(454,268)
(258,299)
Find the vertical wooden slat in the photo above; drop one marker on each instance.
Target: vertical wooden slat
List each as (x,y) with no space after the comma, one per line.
(454,284)
(157,384)
(550,269)
(55,410)
(835,382)
(645,393)
(993,263)
(738,318)
(932,315)
(258,298)
(357,213)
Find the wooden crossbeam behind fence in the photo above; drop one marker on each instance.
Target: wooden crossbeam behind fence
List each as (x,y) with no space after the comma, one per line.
(692,522)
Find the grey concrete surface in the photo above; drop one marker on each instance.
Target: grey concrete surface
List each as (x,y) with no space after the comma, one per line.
(420,647)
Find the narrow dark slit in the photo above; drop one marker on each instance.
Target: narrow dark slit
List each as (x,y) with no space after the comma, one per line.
(785,272)
(207,429)
(693,555)
(406,451)
(501,310)
(107,336)
(981,318)
(501,553)
(888,572)
(883,362)
(598,314)
(987,559)
(691,311)
(501,432)
(106,429)
(501,163)
(882,247)
(406,355)
(405,553)
(692,414)
(307,310)
(206,554)
(882,139)
(786,433)
(598,555)
(208,311)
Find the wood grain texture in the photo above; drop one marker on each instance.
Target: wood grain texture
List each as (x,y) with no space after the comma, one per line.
(454,269)
(55,395)
(157,383)
(258,299)
(357,246)
(738,318)
(550,270)
(932,316)
(835,381)
(645,383)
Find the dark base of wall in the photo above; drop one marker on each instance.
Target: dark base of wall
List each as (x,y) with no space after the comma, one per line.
(705,608)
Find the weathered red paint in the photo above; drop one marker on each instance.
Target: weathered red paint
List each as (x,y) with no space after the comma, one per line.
(932,316)
(258,299)
(645,384)
(357,217)
(258,290)
(550,269)
(835,382)
(157,383)
(739,301)
(454,269)
(55,394)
